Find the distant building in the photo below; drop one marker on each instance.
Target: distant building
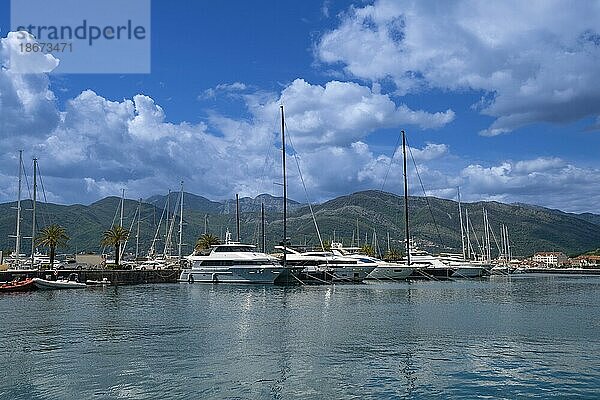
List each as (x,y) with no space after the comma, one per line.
(89,260)
(550,258)
(586,261)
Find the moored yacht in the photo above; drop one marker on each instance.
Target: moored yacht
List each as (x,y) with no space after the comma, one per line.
(429,266)
(234,262)
(326,267)
(464,268)
(383,270)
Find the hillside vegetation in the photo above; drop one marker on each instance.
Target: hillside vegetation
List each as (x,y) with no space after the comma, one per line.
(433,222)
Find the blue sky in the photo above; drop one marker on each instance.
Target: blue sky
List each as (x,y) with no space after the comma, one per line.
(500,99)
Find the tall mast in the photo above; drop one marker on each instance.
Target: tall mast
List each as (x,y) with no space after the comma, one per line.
(406,200)
(284,187)
(462,231)
(122,205)
(357,234)
(180,222)
(168,216)
(18,241)
(486,239)
(388,241)
(508,250)
(262,227)
(137,233)
(33,209)
(470,256)
(237,216)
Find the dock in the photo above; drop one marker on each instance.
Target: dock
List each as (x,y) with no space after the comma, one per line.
(116,277)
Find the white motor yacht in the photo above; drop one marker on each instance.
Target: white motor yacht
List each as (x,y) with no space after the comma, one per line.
(325,267)
(383,270)
(464,268)
(234,263)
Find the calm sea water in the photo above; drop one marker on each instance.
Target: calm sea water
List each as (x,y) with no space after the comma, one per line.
(528,336)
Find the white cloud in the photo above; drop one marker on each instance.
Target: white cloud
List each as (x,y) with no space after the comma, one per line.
(430,152)
(27,105)
(223,88)
(340,113)
(535,61)
(551,182)
(20,56)
(94,146)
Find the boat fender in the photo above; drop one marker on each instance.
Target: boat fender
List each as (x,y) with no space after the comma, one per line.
(190,278)
(215,278)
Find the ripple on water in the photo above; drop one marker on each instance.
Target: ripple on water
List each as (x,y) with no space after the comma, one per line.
(523,337)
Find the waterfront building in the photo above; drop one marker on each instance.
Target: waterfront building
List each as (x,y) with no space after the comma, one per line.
(550,258)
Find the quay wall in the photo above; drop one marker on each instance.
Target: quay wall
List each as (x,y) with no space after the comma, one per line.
(116,277)
(564,271)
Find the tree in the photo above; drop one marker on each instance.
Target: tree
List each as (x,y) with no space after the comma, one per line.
(52,236)
(205,241)
(392,255)
(113,238)
(367,250)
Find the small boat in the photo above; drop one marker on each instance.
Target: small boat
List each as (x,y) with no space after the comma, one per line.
(72,282)
(102,282)
(17,285)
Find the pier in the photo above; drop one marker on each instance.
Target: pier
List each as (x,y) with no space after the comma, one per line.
(116,277)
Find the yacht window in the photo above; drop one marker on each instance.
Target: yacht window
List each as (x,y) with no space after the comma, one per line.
(237,249)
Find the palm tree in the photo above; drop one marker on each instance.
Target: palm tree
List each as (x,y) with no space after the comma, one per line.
(205,241)
(114,237)
(367,250)
(52,236)
(392,255)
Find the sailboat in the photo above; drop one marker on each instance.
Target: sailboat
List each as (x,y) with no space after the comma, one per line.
(425,265)
(463,267)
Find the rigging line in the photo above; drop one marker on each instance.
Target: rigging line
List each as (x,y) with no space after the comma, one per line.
(127,238)
(169,238)
(495,240)
(268,157)
(425,194)
(391,161)
(46,212)
(26,180)
(305,191)
(112,225)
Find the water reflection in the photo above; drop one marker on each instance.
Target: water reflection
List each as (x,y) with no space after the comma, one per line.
(507,337)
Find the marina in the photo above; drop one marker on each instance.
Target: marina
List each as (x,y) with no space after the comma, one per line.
(374,199)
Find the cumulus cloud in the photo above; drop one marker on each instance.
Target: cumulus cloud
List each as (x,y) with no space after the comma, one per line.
(27,105)
(534,62)
(92,146)
(340,113)
(552,182)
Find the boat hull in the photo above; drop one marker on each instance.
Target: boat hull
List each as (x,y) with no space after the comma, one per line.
(390,273)
(231,275)
(353,274)
(43,284)
(470,272)
(432,273)
(21,286)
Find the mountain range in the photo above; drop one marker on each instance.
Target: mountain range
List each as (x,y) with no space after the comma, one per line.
(358,218)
